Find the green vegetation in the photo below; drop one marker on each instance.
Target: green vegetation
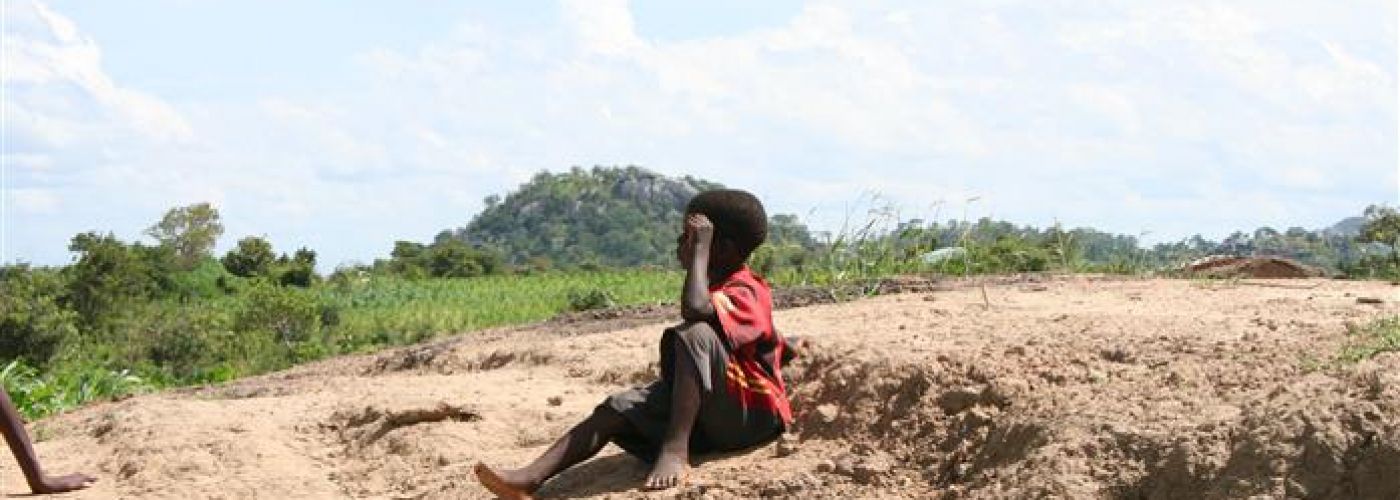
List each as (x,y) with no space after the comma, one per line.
(1382,335)
(190,232)
(606,217)
(38,395)
(127,317)
(1381,228)
(445,258)
(369,311)
(246,326)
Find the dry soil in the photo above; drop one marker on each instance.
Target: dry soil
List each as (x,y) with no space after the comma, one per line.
(1073,387)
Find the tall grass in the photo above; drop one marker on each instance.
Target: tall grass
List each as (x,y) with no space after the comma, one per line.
(373,311)
(37,395)
(879,243)
(875,244)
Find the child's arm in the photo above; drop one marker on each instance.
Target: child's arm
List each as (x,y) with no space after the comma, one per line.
(695,296)
(13,428)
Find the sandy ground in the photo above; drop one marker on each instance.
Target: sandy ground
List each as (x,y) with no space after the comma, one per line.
(1069,387)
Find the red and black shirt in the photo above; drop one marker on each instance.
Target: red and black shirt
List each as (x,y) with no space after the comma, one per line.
(744,305)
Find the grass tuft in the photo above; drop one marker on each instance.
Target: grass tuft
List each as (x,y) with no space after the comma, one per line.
(1366,341)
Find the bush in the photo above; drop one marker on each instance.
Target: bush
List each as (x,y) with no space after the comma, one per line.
(591,299)
(33,322)
(1013,254)
(207,280)
(251,257)
(445,258)
(779,260)
(299,271)
(455,259)
(287,315)
(37,396)
(187,343)
(1372,266)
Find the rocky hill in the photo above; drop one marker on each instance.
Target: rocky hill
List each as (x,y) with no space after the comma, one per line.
(609,216)
(604,216)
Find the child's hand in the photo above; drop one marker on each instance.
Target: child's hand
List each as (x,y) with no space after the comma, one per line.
(700,230)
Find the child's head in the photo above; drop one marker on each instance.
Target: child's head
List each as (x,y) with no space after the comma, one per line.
(740,223)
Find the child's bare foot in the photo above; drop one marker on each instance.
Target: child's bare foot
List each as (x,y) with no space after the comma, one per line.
(670,471)
(60,484)
(503,484)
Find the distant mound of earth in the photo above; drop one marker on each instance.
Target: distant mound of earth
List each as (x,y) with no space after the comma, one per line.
(1226,266)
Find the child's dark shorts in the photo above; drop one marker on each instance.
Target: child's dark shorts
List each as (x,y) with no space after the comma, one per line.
(722,424)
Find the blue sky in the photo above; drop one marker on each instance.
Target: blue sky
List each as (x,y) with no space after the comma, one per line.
(343,126)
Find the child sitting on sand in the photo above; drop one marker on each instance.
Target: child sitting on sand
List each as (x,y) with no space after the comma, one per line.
(13,428)
(721,386)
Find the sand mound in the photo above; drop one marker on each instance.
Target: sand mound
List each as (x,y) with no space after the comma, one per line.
(1069,388)
(966,429)
(1225,266)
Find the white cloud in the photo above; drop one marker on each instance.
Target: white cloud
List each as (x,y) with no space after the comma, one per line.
(1348,83)
(603,27)
(48,61)
(1124,115)
(1112,104)
(942,100)
(1305,178)
(34,201)
(35,162)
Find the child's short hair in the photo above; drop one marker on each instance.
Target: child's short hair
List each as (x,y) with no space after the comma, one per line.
(737,215)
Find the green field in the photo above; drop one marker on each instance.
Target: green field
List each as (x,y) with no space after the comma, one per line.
(255,327)
(393,311)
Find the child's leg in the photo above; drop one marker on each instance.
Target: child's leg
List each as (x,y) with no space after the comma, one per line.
(681,346)
(674,460)
(13,429)
(579,444)
(631,419)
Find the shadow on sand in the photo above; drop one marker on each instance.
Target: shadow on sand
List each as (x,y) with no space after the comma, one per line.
(618,473)
(614,473)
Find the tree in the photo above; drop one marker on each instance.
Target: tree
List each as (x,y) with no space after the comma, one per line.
(190,231)
(251,257)
(407,259)
(446,258)
(1382,226)
(301,270)
(107,273)
(452,260)
(455,259)
(785,229)
(33,321)
(1266,240)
